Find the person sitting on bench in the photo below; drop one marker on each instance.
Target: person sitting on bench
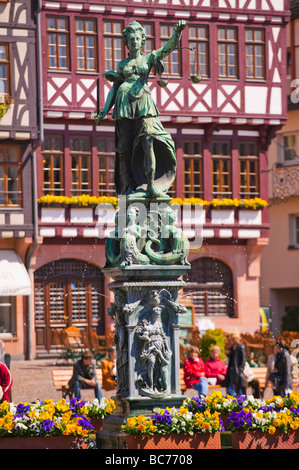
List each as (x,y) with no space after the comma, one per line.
(84,376)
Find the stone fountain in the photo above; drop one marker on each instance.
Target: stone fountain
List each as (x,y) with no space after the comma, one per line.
(146,255)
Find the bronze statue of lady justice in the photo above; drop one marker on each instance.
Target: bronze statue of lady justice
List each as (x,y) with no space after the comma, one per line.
(145,162)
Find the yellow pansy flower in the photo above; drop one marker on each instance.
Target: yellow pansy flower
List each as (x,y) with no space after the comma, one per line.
(272,429)
(206,425)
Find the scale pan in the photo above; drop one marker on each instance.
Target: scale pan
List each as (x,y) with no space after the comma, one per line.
(162,83)
(195,78)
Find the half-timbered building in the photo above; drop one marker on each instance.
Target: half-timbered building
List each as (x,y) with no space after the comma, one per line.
(19,134)
(222,127)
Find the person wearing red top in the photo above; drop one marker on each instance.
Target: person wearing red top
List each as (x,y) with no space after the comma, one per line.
(215,368)
(194,372)
(5,382)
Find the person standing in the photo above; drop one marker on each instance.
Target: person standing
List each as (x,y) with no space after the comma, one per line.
(5,383)
(194,372)
(270,369)
(236,366)
(85,376)
(282,375)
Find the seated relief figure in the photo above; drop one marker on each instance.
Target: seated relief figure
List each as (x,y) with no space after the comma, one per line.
(145,160)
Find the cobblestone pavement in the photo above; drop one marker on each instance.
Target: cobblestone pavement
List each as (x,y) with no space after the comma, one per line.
(32,380)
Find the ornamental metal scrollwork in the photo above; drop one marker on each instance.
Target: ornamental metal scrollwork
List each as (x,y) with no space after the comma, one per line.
(285,183)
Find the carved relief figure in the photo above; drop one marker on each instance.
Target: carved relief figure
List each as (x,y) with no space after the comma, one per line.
(129,250)
(152,355)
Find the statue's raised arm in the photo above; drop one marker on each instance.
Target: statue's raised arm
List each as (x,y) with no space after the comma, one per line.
(173,42)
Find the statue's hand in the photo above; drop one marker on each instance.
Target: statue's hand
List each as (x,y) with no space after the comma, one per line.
(180,26)
(99,117)
(110,75)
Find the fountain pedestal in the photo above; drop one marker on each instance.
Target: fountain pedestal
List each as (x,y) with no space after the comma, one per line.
(147,328)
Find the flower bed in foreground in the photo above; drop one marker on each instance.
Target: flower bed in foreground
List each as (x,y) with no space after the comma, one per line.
(265,429)
(49,419)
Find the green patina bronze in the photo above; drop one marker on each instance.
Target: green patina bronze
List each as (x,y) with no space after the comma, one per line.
(147,253)
(145,160)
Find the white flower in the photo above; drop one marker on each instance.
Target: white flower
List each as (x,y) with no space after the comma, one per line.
(12,408)
(21,426)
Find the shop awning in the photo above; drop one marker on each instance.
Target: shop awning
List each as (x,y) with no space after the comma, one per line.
(14,279)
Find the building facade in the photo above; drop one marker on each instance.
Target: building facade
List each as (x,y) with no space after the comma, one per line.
(280,260)
(222,127)
(19,136)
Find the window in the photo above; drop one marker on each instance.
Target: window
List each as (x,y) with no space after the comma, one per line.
(4,69)
(80,151)
(192,161)
(10,176)
(221,169)
(248,170)
(289,147)
(227,53)
(106,166)
(199,53)
(86,45)
(210,285)
(58,43)
(53,158)
(113,45)
(149,45)
(172,63)
(255,53)
(294,230)
(7,315)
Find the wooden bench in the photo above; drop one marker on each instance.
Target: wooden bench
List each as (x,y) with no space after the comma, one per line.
(61,378)
(259,373)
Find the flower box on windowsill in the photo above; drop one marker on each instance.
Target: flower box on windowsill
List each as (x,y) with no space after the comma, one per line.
(222,216)
(81,215)
(53,214)
(83,200)
(250,216)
